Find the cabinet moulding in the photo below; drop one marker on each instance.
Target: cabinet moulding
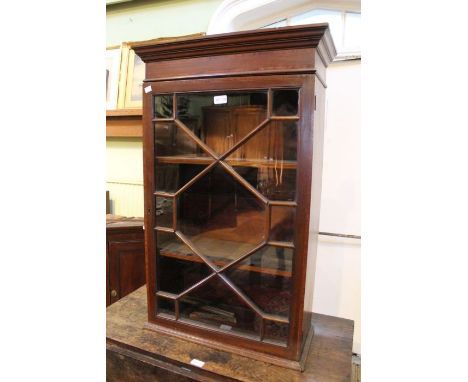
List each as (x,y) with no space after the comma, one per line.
(240,42)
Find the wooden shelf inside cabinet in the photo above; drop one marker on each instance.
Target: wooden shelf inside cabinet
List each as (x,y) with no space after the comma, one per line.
(124,123)
(260,163)
(250,268)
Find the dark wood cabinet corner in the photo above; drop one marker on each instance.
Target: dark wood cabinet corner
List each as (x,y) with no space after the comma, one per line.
(125,257)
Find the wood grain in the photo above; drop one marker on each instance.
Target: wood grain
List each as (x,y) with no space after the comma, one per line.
(124,124)
(292,58)
(296,37)
(125,263)
(181,159)
(124,112)
(135,354)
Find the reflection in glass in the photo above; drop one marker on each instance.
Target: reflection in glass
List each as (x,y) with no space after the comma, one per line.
(164,212)
(268,160)
(222,119)
(177,267)
(178,157)
(282,223)
(277,141)
(285,102)
(215,305)
(166,306)
(221,217)
(163,106)
(276,333)
(265,277)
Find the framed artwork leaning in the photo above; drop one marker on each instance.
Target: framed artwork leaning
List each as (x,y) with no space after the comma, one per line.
(132,72)
(113,60)
(134,81)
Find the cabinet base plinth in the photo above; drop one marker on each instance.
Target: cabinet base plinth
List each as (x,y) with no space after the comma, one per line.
(135,354)
(260,356)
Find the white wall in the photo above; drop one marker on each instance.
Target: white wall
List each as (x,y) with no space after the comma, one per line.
(145,20)
(338,286)
(124,177)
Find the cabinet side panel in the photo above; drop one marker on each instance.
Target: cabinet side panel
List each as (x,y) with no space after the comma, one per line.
(149,213)
(320,68)
(316,189)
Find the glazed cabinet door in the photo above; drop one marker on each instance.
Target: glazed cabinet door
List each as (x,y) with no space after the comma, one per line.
(223,200)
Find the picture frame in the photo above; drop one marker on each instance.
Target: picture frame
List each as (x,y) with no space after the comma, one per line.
(135,74)
(132,74)
(124,48)
(113,61)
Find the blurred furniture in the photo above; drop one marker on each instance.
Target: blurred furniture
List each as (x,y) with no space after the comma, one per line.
(107,203)
(125,256)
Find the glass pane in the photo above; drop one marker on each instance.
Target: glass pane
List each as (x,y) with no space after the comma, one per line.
(215,305)
(352,34)
(166,306)
(333,18)
(221,217)
(282,223)
(164,212)
(163,106)
(265,277)
(276,333)
(268,160)
(177,267)
(222,119)
(178,157)
(285,102)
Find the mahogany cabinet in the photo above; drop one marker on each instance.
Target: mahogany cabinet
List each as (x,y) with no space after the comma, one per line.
(233,137)
(125,257)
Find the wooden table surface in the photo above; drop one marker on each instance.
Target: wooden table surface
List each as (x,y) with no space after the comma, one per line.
(116,221)
(138,354)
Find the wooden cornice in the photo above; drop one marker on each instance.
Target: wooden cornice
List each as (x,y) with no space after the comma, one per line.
(302,36)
